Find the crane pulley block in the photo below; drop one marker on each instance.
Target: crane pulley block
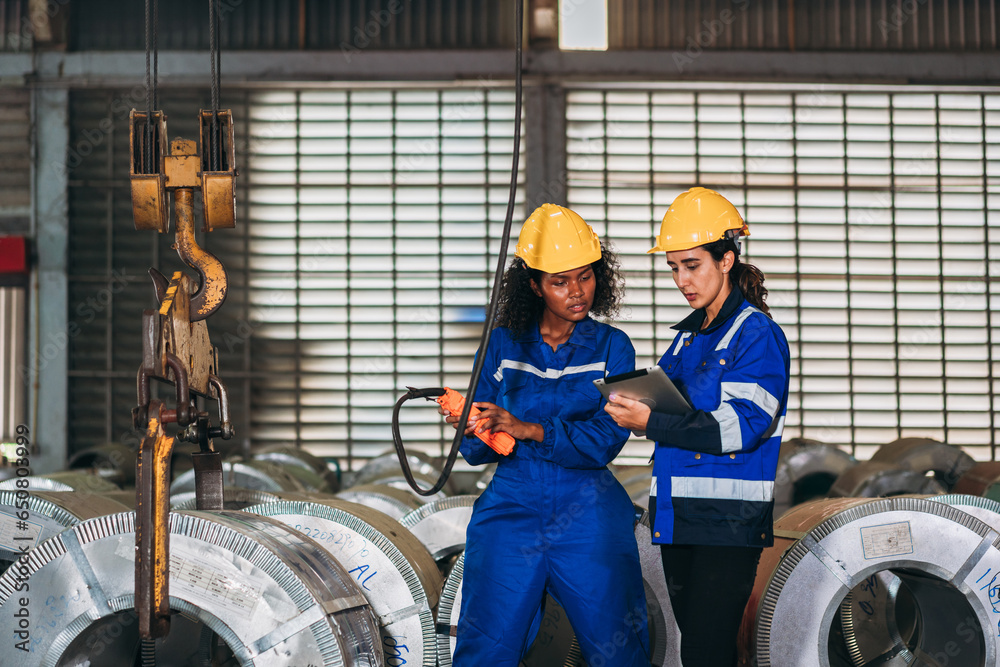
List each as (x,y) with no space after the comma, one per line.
(147,148)
(208,164)
(218,168)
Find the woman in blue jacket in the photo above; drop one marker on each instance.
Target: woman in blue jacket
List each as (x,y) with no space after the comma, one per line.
(553,518)
(711,499)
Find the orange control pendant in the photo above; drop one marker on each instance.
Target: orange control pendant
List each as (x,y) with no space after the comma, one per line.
(452,401)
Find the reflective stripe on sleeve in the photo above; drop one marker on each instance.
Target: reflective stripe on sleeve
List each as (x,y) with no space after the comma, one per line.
(753,393)
(730,434)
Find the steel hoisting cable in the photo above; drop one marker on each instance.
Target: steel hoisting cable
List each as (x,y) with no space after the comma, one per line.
(147,156)
(490,311)
(156,52)
(216,65)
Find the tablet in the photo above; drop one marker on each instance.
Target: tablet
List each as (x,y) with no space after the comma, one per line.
(648,385)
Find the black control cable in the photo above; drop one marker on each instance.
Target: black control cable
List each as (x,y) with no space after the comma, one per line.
(490,311)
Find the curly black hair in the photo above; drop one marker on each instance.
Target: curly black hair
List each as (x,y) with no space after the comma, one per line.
(520,308)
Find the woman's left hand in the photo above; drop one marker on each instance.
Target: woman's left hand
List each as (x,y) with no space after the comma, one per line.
(627,413)
(494,418)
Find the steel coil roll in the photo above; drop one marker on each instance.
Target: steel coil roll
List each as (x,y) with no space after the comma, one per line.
(440,525)
(396,574)
(310,470)
(881,620)
(257,475)
(271,596)
(806,470)
(386,464)
(826,549)
(391,501)
(875,479)
(979,480)
(398,481)
(126,498)
(638,490)
(233,498)
(923,455)
(62,481)
(113,461)
(49,512)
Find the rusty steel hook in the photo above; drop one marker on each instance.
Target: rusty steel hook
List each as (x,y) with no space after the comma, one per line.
(213,280)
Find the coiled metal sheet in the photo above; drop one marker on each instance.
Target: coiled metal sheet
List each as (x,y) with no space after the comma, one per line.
(395,572)
(391,501)
(48,513)
(440,525)
(980,480)
(233,498)
(398,481)
(638,490)
(806,471)
(270,594)
(875,479)
(387,465)
(890,618)
(257,475)
(62,481)
(825,549)
(311,471)
(923,455)
(113,461)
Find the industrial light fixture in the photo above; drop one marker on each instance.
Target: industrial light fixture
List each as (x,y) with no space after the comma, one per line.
(583,25)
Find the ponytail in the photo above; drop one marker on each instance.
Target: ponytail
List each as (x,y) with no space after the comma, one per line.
(750,280)
(747,277)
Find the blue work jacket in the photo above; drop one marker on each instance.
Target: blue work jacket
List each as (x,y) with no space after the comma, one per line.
(714,468)
(524,376)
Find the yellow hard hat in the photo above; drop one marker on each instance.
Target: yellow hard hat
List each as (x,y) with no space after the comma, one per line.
(697,217)
(555,239)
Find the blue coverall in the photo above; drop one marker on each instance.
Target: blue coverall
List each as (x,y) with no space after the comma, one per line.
(553,518)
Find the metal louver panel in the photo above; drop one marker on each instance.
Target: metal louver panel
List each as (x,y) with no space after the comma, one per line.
(15,160)
(874,215)
(835,25)
(373,217)
(342,26)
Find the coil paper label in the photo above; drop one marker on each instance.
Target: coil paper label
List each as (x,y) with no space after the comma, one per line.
(205,583)
(213,586)
(888,539)
(16,534)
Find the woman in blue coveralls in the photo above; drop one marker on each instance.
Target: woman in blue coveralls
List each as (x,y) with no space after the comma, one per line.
(711,499)
(553,519)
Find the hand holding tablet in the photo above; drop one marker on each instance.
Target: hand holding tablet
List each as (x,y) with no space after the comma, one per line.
(650,386)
